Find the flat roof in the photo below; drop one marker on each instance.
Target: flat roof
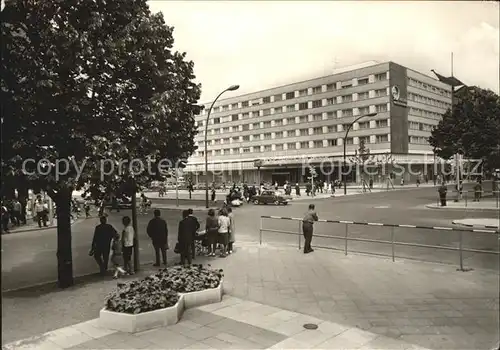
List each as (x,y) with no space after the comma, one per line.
(337,71)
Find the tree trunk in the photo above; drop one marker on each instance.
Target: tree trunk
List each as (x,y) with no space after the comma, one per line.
(64,254)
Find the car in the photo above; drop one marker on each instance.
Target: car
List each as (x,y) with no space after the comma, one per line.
(123,203)
(269,197)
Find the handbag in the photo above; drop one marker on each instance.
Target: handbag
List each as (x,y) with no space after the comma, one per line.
(177,248)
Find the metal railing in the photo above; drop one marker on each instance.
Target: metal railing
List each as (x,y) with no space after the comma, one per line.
(392,242)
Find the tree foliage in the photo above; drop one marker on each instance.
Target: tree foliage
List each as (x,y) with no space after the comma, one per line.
(95,83)
(473,128)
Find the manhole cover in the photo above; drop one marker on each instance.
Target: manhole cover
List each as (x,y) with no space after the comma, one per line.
(310,326)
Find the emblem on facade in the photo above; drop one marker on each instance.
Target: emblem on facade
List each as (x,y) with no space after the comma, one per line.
(395,93)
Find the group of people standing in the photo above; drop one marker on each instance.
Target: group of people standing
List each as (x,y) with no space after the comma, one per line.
(109,245)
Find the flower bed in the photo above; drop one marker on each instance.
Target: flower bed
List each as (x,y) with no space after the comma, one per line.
(159,300)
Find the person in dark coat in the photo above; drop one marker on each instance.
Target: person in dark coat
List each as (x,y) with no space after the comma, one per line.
(187,230)
(158,232)
(101,243)
(196,224)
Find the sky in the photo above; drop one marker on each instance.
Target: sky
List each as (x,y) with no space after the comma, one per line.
(265,44)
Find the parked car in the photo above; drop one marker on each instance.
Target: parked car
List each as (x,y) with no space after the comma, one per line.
(123,203)
(269,197)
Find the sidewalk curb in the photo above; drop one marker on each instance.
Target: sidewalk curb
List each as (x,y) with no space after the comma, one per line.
(434,206)
(474,226)
(42,228)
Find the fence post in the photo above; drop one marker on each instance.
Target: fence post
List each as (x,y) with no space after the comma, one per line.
(299,235)
(460,247)
(392,242)
(346,232)
(260,231)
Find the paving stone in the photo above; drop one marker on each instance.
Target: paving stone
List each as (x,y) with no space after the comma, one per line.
(202,333)
(201,317)
(350,339)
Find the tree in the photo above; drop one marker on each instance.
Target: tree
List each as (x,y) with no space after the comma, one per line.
(473,128)
(90,87)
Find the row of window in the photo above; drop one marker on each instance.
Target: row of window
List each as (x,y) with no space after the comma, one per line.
(428,100)
(423,113)
(431,88)
(300,106)
(384,138)
(381,123)
(327,129)
(421,126)
(420,140)
(299,93)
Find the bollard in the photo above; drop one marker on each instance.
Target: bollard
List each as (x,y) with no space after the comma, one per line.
(299,235)
(346,231)
(260,231)
(392,242)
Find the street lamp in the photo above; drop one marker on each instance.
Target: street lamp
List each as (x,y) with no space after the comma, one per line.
(231,88)
(345,146)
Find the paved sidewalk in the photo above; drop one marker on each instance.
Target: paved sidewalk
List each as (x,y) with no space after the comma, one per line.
(479,223)
(358,301)
(484,205)
(31,226)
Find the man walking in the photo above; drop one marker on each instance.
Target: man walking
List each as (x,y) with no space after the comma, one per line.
(101,243)
(195,227)
(158,232)
(40,213)
(307,228)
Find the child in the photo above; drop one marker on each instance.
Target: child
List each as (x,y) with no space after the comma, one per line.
(116,256)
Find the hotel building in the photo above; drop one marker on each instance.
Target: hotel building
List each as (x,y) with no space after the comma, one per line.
(271,135)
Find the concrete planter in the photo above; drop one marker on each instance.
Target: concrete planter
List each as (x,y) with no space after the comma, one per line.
(130,323)
(203,297)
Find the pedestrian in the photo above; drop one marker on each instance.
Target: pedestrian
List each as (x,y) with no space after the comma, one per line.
(211,230)
(224,225)
(185,238)
(478,189)
(101,243)
(371,183)
(232,230)
(115,206)
(213,194)
(40,213)
(442,190)
(87,208)
(117,256)
(195,225)
(16,212)
(418,181)
(333,189)
(157,230)
(297,189)
(307,228)
(276,187)
(127,239)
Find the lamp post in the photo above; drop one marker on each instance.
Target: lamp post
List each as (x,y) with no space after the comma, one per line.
(345,147)
(231,88)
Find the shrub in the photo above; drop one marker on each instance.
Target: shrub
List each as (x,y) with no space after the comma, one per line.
(140,296)
(189,279)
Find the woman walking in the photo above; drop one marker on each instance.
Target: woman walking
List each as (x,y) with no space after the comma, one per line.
(212,230)
(232,229)
(128,235)
(224,224)
(307,228)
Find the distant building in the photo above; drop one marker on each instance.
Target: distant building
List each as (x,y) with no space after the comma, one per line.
(281,129)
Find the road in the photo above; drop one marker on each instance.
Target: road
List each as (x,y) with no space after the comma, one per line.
(30,257)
